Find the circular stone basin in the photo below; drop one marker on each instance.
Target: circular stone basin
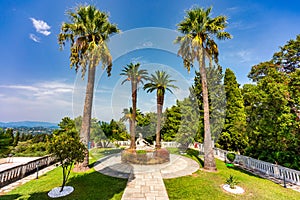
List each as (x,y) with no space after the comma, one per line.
(145,157)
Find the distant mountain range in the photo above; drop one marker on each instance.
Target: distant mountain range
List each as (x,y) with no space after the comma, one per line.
(28,124)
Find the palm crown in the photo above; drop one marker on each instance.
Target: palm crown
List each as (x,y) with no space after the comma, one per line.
(134,74)
(161,82)
(88,32)
(199,29)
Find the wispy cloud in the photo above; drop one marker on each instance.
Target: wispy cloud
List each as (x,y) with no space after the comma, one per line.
(47,101)
(244,55)
(34,37)
(41,26)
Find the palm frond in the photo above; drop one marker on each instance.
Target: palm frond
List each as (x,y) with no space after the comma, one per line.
(88,33)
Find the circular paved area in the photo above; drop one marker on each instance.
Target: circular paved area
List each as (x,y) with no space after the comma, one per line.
(178,166)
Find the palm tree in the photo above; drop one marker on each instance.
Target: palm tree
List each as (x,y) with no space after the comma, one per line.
(199,31)
(88,33)
(128,116)
(135,76)
(160,81)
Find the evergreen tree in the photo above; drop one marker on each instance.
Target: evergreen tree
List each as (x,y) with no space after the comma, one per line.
(272,107)
(216,96)
(233,135)
(190,124)
(172,123)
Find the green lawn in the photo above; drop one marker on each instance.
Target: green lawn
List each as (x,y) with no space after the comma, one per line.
(200,185)
(90,185)
(207,185)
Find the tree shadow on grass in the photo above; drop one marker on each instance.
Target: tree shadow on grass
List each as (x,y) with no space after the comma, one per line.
(237,168)
(93,185)
(10,197)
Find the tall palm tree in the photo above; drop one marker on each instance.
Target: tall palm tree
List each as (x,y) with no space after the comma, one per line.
(135,76)
(88,32)
(197,42)
(160,81)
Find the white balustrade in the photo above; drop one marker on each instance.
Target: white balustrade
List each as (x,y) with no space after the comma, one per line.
(15,173)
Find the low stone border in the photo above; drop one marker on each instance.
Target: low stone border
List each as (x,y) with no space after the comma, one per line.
(236,190)
(55,192)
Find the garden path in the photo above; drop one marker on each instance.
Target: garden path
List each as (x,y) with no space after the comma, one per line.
(145,182)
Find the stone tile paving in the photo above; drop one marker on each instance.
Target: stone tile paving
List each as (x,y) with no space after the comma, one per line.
(145,186)
(24,180)
(145,182)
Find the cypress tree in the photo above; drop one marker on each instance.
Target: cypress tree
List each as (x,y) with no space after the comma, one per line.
(233,135)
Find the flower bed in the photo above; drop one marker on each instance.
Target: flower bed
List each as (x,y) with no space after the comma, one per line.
(145,157)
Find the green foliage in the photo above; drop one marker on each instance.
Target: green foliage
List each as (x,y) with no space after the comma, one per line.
(217,101)
(6,141)
(230,156)
(171,123)
(198,28)
(272,107)
(146,124)
(161,82)
(233,137)
(289,56)
(66,146)
(192,152)
(232,181)
(189,126)
(103,132)
(88,185)
(16,139)
(88,33)
(141,151)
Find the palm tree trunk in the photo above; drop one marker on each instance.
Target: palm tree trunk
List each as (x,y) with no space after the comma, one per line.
(209,160)
(87,113)
(160,102)
(134,99)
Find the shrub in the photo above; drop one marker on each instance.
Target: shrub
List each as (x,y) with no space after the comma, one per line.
(230,156)
(141,151)
(231,181)
(192,152)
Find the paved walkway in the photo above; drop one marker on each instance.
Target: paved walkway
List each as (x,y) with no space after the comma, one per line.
(24,180)
(145,182)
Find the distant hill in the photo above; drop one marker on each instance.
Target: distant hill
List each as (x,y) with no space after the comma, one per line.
(28,124)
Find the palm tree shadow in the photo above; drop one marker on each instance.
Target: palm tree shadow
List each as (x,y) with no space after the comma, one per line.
(10,197)
(98,185)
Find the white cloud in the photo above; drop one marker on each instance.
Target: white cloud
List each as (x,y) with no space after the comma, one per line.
(41,26)
(44,101)
(34,37)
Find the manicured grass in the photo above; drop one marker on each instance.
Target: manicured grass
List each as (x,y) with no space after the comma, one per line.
(96,154)
(90,185)
(200,185)
(207,185)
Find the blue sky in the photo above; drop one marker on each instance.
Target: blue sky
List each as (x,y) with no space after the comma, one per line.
(37,84)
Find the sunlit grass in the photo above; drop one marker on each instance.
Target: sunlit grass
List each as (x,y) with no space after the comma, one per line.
(89,185)
(207,185)
(200,185)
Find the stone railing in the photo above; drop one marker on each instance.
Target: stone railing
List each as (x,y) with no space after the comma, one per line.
(170,144)
(15,173)
(269,169)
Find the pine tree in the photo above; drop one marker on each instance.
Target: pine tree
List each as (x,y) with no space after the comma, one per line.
(233,135)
